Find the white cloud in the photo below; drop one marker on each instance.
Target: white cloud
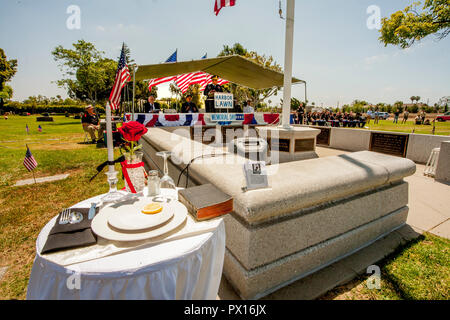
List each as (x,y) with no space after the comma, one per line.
(100,28)
(376,59)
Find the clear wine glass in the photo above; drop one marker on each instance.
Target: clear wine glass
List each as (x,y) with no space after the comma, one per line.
(113,195)
(167,185)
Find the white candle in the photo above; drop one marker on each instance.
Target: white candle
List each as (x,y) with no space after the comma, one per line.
(109,139)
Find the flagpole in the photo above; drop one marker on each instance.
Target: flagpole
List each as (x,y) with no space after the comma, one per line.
(288,51)
(32,171)
(135,67)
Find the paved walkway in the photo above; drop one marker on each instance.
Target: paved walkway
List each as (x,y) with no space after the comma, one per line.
(40,180)
(429,200)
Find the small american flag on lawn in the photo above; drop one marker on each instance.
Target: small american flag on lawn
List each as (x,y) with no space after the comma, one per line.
(29,162)
(28,129)
(40,128)
(122,77)
(219,4)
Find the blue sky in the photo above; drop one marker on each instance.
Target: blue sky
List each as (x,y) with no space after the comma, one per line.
(334,51)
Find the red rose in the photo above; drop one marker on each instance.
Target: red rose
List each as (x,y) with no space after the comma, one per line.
(132,131)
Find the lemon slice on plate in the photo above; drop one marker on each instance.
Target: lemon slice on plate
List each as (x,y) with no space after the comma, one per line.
(152,208)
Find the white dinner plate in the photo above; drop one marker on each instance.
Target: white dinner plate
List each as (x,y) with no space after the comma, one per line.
(128,215)
(101,227)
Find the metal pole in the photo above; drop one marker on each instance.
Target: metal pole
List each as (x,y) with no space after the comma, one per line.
(306,99)
(135,67)
(289,44)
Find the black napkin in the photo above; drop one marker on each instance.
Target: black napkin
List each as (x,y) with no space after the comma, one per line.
(68,236)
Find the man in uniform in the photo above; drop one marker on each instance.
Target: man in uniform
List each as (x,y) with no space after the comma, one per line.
(91,123)
(209,93)
(188,106)
(151,106)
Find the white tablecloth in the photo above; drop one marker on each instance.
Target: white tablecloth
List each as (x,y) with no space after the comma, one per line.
(188,268)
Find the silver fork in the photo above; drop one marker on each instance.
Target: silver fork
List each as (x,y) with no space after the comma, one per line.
(65,217)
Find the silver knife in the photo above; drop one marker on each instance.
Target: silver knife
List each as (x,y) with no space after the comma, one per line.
(92,210)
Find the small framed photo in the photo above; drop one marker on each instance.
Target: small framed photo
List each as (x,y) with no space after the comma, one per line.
(255,175)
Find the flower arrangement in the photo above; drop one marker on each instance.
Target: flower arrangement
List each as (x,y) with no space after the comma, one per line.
(131,132)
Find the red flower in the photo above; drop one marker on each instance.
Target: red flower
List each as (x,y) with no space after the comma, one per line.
(132,131)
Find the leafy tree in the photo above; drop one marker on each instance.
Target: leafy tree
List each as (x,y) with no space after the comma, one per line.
(243,93)
(295,103)
(8,69)
(88,75)
(406,27)
(6,93)
(398,105)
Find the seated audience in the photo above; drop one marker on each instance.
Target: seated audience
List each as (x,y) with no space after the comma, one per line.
(91,123)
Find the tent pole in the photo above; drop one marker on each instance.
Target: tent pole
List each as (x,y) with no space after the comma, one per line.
(135,67)
(289,44)
(306,99)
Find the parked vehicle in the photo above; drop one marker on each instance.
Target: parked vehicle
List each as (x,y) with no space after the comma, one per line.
(443,117)
(381,115)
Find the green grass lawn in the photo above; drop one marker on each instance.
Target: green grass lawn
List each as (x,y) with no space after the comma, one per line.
(419,270)
(25,210)
(442,128)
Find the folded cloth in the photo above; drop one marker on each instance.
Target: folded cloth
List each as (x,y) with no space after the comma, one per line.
(66,236)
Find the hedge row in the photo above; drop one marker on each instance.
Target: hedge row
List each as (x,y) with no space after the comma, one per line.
(39,109)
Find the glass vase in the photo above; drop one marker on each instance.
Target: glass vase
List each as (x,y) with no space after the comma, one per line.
(136,175)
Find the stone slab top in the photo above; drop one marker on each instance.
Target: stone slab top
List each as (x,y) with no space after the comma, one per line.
(293,186)
(296,132)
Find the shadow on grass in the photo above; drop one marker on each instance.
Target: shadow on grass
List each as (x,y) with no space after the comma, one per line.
(393,280)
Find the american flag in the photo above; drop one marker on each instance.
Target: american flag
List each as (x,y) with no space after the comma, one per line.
(173,57)
(122,77)
(29,162)
(184,81)
(219,4)
(40,128)
(157,81)
(28,129)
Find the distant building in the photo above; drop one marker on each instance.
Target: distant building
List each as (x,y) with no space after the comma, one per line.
(444,101)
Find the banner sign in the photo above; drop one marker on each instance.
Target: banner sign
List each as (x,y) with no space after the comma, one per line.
(223,100)
(215,117)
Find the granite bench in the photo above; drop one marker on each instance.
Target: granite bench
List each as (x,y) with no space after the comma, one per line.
(315,212)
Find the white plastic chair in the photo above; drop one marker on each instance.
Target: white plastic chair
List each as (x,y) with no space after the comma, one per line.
(430,168)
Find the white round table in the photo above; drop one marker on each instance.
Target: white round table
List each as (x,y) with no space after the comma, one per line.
(188,268)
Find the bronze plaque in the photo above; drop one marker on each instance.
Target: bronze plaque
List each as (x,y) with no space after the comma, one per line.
(302,145)
(279,144)
(389,143)
(324,136)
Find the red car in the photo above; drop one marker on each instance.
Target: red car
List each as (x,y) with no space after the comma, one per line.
(443,117)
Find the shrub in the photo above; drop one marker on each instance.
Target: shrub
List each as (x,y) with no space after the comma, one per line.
(20,108)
